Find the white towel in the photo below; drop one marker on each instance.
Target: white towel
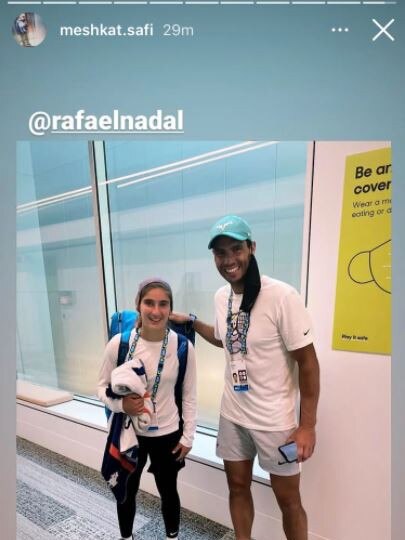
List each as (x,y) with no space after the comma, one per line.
(130,378)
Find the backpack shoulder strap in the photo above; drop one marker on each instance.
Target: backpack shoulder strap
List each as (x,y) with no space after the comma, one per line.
(182,354)
(124,347)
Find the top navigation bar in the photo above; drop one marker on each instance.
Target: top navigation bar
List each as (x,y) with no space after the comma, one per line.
(204,3)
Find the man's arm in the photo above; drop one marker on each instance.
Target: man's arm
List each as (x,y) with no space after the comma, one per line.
(308,380)
(205,330)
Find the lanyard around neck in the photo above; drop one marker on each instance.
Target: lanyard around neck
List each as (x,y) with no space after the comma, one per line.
(162,357)
(235,344)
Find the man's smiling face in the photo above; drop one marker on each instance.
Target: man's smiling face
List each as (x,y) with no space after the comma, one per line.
(232,259)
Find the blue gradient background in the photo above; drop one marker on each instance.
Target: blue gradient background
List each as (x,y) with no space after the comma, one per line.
(250,72)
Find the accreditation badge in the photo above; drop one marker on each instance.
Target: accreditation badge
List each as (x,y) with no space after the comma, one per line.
(239,375)
(153,426)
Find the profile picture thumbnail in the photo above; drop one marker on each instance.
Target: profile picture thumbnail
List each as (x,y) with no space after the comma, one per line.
(28,29)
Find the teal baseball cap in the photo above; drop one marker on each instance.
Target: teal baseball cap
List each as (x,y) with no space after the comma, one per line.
(232,226)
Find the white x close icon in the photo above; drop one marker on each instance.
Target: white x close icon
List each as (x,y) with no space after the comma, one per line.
(383,30)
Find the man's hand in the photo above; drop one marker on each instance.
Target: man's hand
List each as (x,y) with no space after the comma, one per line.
(308,380)
(203,329)
(305,438)
(133,404)
(181,450)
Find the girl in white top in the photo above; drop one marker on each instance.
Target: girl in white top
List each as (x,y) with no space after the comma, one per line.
(155,346)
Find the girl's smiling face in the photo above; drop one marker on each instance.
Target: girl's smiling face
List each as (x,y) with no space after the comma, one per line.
(154,308)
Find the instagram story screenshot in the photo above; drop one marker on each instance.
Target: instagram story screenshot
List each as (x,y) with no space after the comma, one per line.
(201,269)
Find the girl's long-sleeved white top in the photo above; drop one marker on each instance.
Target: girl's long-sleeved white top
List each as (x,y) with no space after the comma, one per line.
(167,413)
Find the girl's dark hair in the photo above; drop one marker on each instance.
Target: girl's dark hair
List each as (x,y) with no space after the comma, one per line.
(252,284)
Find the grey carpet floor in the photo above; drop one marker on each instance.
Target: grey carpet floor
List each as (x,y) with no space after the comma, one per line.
(60,499)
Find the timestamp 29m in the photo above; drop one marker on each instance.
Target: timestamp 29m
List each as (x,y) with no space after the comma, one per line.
(177,30)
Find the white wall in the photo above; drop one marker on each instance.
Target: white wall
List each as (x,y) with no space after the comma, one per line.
(346,485)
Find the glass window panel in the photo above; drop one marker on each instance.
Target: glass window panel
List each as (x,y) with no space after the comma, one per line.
(59,320)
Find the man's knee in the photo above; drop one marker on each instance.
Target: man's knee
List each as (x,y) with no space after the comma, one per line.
(290,505)
(287,493)
(239,478)
(238,485)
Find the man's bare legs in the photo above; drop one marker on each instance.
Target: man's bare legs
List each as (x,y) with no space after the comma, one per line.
(239,476)
(287,492)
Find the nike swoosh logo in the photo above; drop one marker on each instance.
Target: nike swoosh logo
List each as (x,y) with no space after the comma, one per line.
(305,333)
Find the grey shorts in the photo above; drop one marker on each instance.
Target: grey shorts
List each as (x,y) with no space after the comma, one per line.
(237,443)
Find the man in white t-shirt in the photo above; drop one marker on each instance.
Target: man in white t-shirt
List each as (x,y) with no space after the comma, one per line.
(265,331)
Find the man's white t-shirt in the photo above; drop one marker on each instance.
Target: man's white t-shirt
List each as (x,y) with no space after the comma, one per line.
(279,323)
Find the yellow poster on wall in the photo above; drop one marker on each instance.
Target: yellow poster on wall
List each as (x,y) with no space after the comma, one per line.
(363,292)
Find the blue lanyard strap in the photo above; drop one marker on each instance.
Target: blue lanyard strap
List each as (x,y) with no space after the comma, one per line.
(236,329)
(162,357)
